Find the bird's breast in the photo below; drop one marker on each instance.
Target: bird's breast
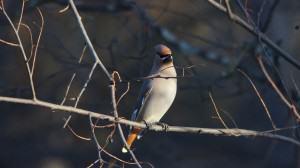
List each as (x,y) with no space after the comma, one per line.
(160,99)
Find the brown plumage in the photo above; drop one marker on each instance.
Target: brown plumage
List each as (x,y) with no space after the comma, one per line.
(162,50)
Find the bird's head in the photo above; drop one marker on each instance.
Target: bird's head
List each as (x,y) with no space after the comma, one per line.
(164,53)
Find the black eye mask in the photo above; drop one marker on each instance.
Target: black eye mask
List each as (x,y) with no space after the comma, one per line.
(166,58)
(162,56)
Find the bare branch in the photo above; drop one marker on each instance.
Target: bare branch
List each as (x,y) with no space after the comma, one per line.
(31,39)
(76,135)
(69,86)
(115,112)
(9,43)
(126,91)
(96,141)
(88,41)
(230,117)
(260,98)
(104,126)
(291,106)
(82,54)
(216,110)
(116,73)
(192,130)
(258,33)
(21,16)
(82,90)
(85,84)
(229,12)
(183,75)
(38,40)
(64,9)
(22,50)
(68,89)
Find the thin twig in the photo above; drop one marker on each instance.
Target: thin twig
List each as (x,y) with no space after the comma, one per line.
(88,41)
(9,43)
(68,89)
(82,54)
(110,136)
(21,16)
(69,85)
(291,106)
(295,84)
(258,33)
(76,135)
(22,50)
(82,91)
(83,88)
(104,162)
(283,129)
(115,112)
(230,117)
(229,12)
(104,126)
(31,40)
(216,110)
(64,9)
(116,73)
(38,40)
(260,98)
(157,75)
(109,154)
(85,84)
(123,95)
(99,148)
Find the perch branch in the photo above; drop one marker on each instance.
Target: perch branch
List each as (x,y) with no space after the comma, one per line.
(180,129)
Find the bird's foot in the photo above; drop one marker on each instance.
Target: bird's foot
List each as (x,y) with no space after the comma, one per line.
(163,125)
(148,125)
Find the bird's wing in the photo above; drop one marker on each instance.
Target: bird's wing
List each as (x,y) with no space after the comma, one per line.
(144,94)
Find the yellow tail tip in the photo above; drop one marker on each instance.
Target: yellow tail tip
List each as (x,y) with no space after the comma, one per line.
(124,150)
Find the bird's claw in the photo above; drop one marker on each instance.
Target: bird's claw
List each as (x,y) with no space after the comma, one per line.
(148,125)
(163,125)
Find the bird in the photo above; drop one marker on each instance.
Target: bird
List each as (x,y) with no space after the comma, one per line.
(157,93)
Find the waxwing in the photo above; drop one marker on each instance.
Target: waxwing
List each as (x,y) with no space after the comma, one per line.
(157,94)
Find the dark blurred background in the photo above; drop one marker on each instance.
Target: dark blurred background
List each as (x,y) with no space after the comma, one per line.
(124,33)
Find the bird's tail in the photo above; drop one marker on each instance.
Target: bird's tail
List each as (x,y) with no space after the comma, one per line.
(131,138)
